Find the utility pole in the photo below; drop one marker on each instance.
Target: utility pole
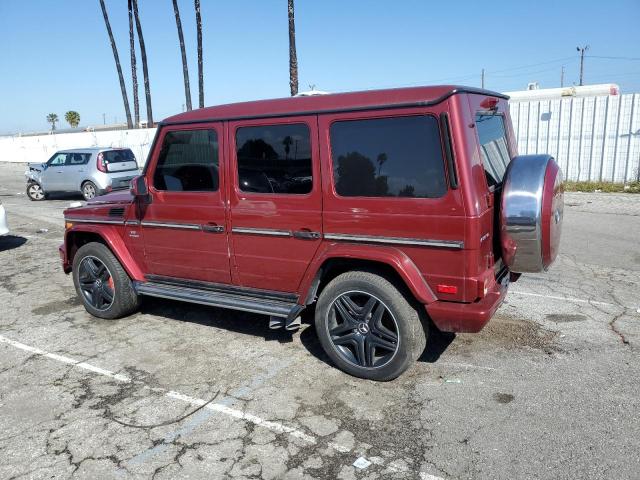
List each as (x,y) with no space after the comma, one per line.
(582,50)
(482,78)
(104,118)
(562,77)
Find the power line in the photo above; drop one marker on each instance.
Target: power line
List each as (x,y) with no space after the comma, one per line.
(613,58)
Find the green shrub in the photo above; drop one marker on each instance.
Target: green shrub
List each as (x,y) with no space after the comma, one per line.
(609,187)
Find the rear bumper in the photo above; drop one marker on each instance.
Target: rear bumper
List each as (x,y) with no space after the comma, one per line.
(467,317)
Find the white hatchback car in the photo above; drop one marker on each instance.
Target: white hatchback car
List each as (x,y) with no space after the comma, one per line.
(4,229)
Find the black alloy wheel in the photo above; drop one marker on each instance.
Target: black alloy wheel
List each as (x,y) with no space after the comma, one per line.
(362,329)
(96,283)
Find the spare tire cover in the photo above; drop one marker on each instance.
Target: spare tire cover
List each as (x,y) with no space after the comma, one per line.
(531,213)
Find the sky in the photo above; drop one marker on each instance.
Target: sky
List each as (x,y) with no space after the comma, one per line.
(55,56)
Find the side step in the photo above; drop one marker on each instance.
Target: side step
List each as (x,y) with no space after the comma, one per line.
(289,311)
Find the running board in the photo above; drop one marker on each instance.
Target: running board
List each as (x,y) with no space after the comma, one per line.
(243,302)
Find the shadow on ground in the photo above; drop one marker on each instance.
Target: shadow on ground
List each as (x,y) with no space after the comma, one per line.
(258,326)
(9,242)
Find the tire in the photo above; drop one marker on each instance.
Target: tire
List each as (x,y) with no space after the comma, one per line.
(362,296)
(90,258)
(89,190)
(35,192)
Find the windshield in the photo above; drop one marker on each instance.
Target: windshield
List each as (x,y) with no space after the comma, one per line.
(117,156)
(493,146)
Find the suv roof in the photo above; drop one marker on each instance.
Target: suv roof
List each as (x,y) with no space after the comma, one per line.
(327,103)
(91,149)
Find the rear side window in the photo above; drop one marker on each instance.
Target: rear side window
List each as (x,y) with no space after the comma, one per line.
(388,157)
(188,162)
(274,159)
(117,156)
(493,146)
(78,158)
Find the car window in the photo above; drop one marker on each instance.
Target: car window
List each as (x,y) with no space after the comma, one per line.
(58,160)
(117,156)
(493,146)
(78,158)
(388,157)
(188,162)
(274,159)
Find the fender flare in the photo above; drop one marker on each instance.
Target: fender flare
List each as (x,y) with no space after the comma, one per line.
(113,240)
(393,257)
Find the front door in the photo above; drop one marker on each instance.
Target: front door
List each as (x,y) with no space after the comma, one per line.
(52,178)
(275,200)
(183,222)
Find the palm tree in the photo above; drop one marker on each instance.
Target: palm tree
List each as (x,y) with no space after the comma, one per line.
(293,57)
(134,69)
(125,99)
(145,70)
(200,74)
(185,67)
(52,118)
(73,118)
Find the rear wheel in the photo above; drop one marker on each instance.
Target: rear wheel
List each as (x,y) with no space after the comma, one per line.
(89,190)
(367,326)
(102,284)
(35,192)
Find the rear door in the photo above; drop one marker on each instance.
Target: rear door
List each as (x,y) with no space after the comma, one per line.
(119,160)
(183,222)
(74,171)
(275,199)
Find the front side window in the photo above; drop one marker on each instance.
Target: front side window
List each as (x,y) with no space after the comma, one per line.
(493,146)
(58,160)
(388,157)
(188,162)
(274,159)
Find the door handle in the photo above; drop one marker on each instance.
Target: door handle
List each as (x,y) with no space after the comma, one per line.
(212,228)
(306,235)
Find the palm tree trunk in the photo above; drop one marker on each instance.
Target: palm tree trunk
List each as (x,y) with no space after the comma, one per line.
(185,67)
(125,98)
(145,70)
(200,74)
(134,73)
(293,57)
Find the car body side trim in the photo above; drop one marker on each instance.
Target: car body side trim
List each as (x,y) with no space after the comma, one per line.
(456,244)
(262,231)
(93,220)
(184,226)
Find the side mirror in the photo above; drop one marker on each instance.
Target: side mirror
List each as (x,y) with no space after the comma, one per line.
(138,186)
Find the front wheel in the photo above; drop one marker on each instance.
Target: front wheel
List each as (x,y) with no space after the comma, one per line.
(367,326)
(89,190)
(102,284)
(35,192)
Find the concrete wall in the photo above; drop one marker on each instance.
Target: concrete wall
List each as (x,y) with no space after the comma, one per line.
(40,148)
(593,138)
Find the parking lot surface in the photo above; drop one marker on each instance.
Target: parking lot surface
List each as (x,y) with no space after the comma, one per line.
(549,389)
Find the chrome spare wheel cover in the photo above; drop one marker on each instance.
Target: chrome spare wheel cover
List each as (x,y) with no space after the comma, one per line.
(531,213)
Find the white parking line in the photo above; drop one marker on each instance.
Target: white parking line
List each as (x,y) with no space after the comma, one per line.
(198,402)
(564,299)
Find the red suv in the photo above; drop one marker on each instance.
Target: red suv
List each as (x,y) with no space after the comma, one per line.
(393,211)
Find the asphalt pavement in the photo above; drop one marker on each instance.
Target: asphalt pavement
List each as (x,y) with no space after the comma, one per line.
(549,389)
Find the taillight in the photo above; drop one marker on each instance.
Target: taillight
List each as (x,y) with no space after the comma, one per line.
(101,164)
